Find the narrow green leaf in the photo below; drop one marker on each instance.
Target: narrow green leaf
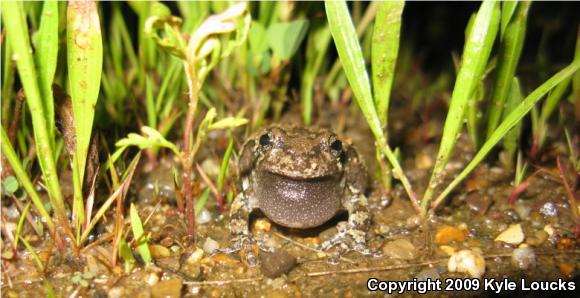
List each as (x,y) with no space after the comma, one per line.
(46,55)
(17,33)
(510,121)
(317,46)
(385,48)
(84,59)
(202,200)
(475,56)
(507,11)
(512,138)
(509,56)
(285,38)
(224,165)
(350,55)
(137,227)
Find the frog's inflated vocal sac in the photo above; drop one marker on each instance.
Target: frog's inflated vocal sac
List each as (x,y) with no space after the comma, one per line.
(301,178)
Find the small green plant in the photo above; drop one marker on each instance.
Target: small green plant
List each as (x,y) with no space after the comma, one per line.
(350,54)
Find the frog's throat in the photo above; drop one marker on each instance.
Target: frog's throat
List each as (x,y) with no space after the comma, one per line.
(301,203)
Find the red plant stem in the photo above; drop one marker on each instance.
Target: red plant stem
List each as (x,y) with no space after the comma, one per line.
(569,193)
(517,191)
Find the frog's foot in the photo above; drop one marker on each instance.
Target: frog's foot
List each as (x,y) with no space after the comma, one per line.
(348,238)
(248,248)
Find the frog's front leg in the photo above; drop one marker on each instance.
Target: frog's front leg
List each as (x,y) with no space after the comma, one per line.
(241,238)
(352,234)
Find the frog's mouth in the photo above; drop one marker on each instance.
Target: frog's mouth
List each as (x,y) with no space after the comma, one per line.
(298,203)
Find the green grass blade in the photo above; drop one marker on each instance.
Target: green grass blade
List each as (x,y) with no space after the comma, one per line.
(46,55)
(85,61)
(475,56)
(224,165)
(385,48)
(509,56)
(137,227)
(17,32)
(317,46)
(350,55)
(512,138)
(507,11)
(10,155)
(510,121)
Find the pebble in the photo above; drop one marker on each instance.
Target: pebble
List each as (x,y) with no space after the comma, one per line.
(400,249)
(537,239)
(524,258)
(159,251)
(478,203)
(195,256)
(116,292)
(277,263)
(512,235)
(210,246)
(428,273)
(203,217)
(522,209)
(167,288)
(447,234)
(327,234)
(262,225)
(151,278)
(467,261)
(549,209)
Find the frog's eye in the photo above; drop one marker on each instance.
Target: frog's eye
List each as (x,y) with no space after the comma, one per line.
(336,146)
(265,140)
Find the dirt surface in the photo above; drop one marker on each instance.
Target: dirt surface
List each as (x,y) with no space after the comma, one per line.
(476,214)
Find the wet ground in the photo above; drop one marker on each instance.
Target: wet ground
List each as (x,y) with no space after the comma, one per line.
(533,239)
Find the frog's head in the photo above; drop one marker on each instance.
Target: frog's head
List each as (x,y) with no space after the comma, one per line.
(298,153)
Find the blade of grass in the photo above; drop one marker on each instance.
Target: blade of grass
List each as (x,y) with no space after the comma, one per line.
(512,138)
(17,33)
(475,57)
(510,121)
(224,165)
(316,48)
(46,55)
(350,55)
(138,231)
(84,61)
(385,48)
(509,56)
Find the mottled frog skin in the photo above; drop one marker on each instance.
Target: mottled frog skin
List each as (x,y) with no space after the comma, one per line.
(301,178)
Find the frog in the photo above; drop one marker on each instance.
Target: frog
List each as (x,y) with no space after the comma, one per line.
(301,177)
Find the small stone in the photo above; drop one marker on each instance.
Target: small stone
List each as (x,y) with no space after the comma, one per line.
(537,239)
(203,217)
(478,203)
(566,243)
(116,292)
(549,229)
(447,249)
(167,288)
(567,269)
(151,278)
(277,263)
(400,249)
(428,273)
(513,235)
(262,225)
(549,209)
(210,246)
(423,161)
(276,294)
(195,256)
(524,258)
(467,261)
(158,251)
(447,234)
(522,209)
